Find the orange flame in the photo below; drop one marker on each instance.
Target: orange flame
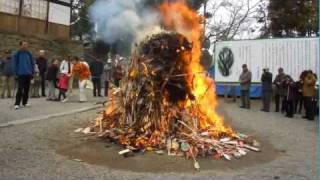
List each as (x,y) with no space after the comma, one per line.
(179,17)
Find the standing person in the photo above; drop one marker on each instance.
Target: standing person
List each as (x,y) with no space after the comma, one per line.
(65,77)
(81,71)
(66,69)
(2,63)
(117,72)
(23,69)
(107,72)
(35,83)
(42,63)
(309,92)
(290,87)
(52,77)
(299,100)
(245,83)
(71,78)
(316,97)
(7,76)
(63,87)
(266,81)
(298,104)
(279,90)
(96,69)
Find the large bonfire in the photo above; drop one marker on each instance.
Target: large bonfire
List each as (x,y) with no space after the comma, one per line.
(166,101)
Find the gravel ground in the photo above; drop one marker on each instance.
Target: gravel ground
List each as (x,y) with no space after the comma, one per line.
(28,151)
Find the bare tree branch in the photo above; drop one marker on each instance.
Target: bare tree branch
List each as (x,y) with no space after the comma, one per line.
(236,15)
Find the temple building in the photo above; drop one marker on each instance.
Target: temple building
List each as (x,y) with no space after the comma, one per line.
(50,18)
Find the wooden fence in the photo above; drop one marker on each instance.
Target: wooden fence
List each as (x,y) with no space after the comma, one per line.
(30,26)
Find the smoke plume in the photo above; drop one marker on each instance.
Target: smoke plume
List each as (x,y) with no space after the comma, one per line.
(122,19)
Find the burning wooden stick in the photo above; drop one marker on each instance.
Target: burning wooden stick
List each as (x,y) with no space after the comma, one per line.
(161,105)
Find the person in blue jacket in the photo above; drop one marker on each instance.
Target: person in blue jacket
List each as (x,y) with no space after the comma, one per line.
(6,75)
(23,64)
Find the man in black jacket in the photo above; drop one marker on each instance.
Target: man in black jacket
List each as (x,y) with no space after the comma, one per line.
(96,68)
(42,63)
(266,80)
(280,91)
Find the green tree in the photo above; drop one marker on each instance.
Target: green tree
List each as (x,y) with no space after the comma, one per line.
(292,18)
(80,23)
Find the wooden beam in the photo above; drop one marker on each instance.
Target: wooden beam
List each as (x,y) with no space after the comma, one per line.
(61,3)
(71,8)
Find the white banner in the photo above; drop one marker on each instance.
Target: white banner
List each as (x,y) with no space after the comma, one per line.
(11,6)
(35,9)
(59,14)
(293,55)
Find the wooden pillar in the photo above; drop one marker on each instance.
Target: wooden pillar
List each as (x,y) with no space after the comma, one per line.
(19,16)
(71,8)
(20,7)
(46,31)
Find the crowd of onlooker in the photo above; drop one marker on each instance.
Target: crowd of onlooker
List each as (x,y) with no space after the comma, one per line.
(23,76)
(291,96)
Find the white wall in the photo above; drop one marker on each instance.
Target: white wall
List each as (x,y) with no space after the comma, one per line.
(293,55)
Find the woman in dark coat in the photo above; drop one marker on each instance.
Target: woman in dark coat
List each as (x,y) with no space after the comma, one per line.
(292,90)
(299,100)
(52,78)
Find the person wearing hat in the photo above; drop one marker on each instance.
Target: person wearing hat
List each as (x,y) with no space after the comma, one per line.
(280,91)
(266,86)
(245,84)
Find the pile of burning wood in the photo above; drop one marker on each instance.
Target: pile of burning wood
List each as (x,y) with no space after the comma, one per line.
(156,109)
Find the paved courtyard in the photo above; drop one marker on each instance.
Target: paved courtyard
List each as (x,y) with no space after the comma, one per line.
(41,108)
(46,148)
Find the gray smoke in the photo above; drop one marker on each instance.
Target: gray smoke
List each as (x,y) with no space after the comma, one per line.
(121,19)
